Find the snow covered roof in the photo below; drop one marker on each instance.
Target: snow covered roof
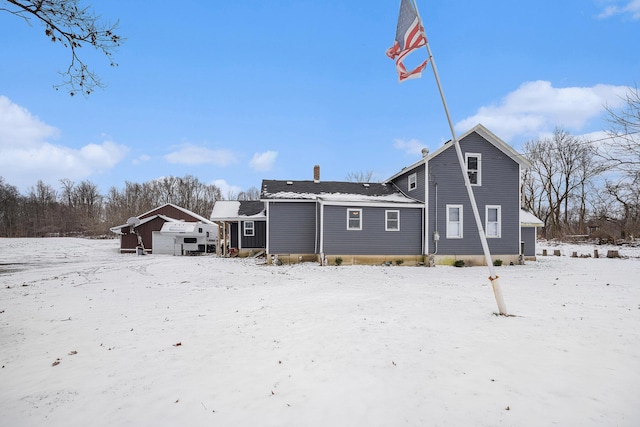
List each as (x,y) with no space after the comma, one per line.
(118,228)
(527,219)
(226,210)
(334,191)
(186,211)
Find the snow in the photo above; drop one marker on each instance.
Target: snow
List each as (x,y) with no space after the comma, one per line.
(340,197)
(163,340)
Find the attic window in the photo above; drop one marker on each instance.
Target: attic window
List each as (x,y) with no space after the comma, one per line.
(412,182)
(474,168)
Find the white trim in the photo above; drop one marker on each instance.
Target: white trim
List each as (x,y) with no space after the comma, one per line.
(386,220)
(349,210)
(252,228)
(460,221)
(478,171)
(412,179)
(499,221)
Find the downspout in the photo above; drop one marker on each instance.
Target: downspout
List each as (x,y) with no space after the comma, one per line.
(425,234)
(436,235)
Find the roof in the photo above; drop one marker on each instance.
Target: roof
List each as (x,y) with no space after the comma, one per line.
(483,132)
(118,228)
(229,210)
(337,191)
(186,211)
(527,219)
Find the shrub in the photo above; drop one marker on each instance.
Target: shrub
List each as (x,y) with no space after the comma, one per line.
(458,263)
(399,261)
(497,262)
(338,261)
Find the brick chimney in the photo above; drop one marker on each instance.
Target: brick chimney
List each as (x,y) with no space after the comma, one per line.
(316,173)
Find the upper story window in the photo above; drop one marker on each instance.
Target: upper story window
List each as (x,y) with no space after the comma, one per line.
(413,181)
(354,219)
(454,221)
(493,221)
(249,228)
(474,168)
(392,220)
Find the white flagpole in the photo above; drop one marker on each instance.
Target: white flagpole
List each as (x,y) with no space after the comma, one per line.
(502,308)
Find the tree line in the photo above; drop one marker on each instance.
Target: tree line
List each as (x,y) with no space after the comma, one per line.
(582,187)
(80,208)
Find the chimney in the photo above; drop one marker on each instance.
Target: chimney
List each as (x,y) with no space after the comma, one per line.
(316,173)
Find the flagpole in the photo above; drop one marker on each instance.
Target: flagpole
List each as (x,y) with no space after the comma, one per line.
(502,308)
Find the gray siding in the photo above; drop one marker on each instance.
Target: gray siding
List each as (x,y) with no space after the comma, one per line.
(402,182)
(292,227)
(372,239)
(529,239)
(258,240)
(500,186)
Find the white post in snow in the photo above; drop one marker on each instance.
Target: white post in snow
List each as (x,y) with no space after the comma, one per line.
(502,308)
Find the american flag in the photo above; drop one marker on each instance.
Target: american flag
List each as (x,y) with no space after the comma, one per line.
(409,36)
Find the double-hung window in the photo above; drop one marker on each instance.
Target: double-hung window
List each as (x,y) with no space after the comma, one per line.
(493,221)
(474,168)
(249,228)
(392,220)
(412,182)
(454,221)
(354,219)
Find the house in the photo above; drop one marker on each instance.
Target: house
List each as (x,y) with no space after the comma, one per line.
(420,214)
(144,231)
(242,226)
(355,222)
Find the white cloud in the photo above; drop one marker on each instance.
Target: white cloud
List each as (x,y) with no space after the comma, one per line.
(26,155)
(631,8)
(263,161)
(229,192)
(190,154)
(537,107)
(412,146)
(141,159)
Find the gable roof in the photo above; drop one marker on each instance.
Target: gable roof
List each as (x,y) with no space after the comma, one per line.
(228,210)
(527,219)
(194,215)
(332,191)
(118,228)
(484,133)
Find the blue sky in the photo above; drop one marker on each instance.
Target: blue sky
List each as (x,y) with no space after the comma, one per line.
(236,92)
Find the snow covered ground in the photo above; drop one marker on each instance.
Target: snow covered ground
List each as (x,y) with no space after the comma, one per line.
(92,337)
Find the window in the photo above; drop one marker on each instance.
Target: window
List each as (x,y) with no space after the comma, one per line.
(354,219)
(474,162)
(454,221)
(249,229)
(493,221)
(413,181)
(392,220)
(190,240)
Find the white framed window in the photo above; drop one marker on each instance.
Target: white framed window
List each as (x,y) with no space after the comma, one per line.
(392,220)
(354,219)
(493,221)
(454,222)
(474,167)
(249,228)
(412,182)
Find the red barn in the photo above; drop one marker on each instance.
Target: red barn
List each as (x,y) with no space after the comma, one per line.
(141,231)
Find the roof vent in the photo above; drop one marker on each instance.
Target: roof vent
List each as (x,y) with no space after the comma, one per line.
(366,184)
(289,182)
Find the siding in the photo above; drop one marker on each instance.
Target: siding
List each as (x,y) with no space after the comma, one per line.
(292,227)
(529,239)
(402,182)
(372,239)
(500,186)
(258,240)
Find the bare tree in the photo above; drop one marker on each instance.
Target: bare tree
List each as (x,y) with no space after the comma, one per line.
(361,176)
(563,167)
(251,194)
(623,151)
(74,26)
